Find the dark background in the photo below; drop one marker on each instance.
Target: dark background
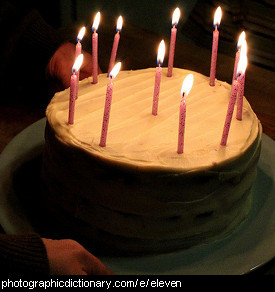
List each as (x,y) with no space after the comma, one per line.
(152,16)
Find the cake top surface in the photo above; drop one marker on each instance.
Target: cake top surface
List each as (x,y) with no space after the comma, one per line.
(139,139)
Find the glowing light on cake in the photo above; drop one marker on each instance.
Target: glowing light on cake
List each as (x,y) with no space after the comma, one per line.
(96,22)
(74,87)
(95,47)
(119,24)
(241,40)
(216,23)
(217,17)
(175,20)
(160,57)
(108,102)
(81,34)
(115,70)
(77,64)
(115,44)
(161,53)
(235,86)
(186,87)
(176,17)
(237,57)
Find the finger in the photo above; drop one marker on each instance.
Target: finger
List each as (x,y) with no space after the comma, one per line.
(95,267)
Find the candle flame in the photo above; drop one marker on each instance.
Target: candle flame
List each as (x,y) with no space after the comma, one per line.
(161,53)
(244,48)
(115,70)
(176,17)
(77,64)
(187,85)
(217,17)
(96,22)
(119,24)
(243,59)
(81,34)
(241,40)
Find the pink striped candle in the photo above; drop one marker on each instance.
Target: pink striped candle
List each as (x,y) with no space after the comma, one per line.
(78,49)
(108,102)
(181,125)
(230,110)
(156,90)
(160,57)
(175,21)
(95,48)
(243,53)
(217,19)
(186,87)
(74,87)
(234,91)
(73,94)
(115,45)
(239,115)
(95,57)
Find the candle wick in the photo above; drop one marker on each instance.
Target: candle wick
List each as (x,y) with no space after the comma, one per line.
(239,75)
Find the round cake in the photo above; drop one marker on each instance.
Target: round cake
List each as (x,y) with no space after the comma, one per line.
(137,194)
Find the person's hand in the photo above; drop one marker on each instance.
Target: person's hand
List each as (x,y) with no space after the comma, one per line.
(68,257)
(60,66)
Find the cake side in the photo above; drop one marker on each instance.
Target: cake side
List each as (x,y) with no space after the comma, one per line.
(127,198)
(141,213)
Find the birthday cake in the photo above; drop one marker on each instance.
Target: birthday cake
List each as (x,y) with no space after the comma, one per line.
(137,194)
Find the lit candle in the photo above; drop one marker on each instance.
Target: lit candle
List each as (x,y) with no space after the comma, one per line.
(95,47)
(78,49)
(237,57)
(160,57)
(239,115)
(216,23)
(236,83)
(115,45)
(186,87)
(73,87)
(108,102)
(175,20)
(79,38)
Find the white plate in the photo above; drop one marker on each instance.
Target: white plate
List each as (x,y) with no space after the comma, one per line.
(252,245)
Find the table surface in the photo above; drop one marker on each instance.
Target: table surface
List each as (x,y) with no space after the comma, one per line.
(259,84)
